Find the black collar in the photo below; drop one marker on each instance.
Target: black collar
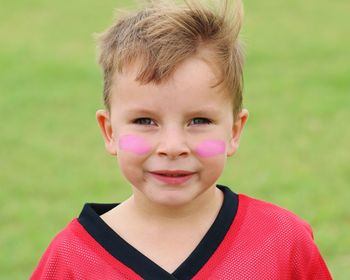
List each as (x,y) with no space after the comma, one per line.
(146,268)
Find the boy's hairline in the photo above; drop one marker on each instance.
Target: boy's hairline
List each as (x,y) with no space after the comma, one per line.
(199,54)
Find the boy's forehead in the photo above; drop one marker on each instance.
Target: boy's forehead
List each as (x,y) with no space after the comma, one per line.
(189,90)
(193,72)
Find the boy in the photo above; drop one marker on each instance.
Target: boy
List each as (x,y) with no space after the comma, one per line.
(173,97)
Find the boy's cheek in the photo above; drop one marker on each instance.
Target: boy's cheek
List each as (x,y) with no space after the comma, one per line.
(134,144)
(211,148)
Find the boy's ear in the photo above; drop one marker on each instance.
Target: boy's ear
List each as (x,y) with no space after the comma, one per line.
(103,119)
(237,131)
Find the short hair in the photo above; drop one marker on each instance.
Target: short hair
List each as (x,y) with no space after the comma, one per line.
(163,34)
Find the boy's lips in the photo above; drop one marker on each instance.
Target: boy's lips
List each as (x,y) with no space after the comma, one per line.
(172,177)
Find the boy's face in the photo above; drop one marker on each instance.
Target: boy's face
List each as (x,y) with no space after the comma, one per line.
(172,139)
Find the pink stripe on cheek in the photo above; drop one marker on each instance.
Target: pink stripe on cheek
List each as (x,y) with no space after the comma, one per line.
(211,148)
(134,144)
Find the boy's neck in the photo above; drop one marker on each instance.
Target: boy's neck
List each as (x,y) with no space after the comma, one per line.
(207,205)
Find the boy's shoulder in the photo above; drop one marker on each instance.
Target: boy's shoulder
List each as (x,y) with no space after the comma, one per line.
(73,252)
(272,218)
(273,239)
(57,252)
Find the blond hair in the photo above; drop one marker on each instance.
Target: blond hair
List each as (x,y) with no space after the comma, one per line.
(164,34)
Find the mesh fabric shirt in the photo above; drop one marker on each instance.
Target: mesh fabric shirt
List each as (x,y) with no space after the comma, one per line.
(249,239)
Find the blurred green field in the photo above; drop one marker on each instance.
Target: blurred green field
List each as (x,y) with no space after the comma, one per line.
(294,152)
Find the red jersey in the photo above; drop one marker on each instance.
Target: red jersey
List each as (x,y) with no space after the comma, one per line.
(249,239)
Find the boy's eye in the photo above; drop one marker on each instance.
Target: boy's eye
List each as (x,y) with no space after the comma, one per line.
(197,121)
(143,121)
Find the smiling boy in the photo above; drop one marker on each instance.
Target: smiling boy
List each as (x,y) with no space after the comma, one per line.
(173,98)
(172,147)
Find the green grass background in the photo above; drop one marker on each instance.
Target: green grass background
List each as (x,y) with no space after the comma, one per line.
(294,152)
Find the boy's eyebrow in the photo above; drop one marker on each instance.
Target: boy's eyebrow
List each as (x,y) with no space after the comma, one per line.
(140,110)
(206,110)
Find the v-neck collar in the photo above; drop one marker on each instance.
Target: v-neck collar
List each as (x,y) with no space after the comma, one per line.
(92,222)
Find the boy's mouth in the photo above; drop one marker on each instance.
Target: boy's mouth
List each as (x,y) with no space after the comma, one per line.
(172,173)
(172,177)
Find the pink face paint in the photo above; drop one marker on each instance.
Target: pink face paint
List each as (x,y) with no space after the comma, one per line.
(134,144)
(211,148)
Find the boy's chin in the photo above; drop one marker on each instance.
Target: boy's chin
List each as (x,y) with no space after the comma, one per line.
(171,198)
(175,197)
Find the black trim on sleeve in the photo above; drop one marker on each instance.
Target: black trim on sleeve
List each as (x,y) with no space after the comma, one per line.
(146,268)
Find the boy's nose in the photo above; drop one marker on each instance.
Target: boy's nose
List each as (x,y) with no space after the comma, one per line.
(173,144)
